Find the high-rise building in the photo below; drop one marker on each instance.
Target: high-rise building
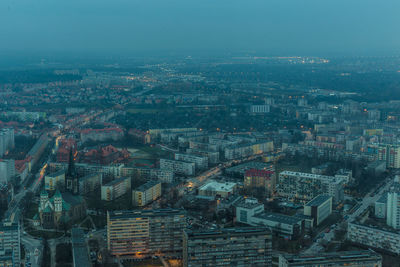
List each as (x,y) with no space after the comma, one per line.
(10,244)
(6,141)
(393,205)
(390,154)
(7,170)
(142,233)
(244,246)
(366,258)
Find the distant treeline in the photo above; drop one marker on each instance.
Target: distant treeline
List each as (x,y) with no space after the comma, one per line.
(35,76)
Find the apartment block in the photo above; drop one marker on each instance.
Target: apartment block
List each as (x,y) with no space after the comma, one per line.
(306,186)
(365,258)
(146,193)
(178,167)
(141,233)
(115,188)
(241,246)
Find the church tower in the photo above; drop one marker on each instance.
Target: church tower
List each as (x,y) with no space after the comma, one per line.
(71,177)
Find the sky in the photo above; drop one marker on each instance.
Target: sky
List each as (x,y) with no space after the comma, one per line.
(263,27)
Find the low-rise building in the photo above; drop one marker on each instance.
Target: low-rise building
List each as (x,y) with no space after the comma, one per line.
(249,211)
(214,188)
(319,208)
(241,246)
(365,258)
(146,193)
(115,188)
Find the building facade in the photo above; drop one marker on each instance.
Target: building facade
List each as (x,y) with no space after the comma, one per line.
(242,246)
(319,208)
(178,167)
(146,193)
(115,188)
(141,233)
(366,258)
(306,186)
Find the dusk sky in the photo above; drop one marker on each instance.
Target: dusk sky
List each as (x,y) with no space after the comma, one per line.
(260,26)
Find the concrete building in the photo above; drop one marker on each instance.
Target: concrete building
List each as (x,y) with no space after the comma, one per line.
(319,208)
(365,258)
(259,109)
(246,150)
(7,170)
(381,207)
(247,208)
(390,154)
(374,237)
(6,140)
(80,256)
(55,180)
(142,233)
(90,183)
(249,211)
(201,162)
(393,205)
(286,226)
(146,193)
(306,186)
(213,188)
(265,179)
(10,243)
(115,188)
(178,167)
(241,246)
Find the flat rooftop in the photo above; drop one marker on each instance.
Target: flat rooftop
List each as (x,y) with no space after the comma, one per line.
(318,200)
(332,257)
(129,214)
(217,186)
(277,217)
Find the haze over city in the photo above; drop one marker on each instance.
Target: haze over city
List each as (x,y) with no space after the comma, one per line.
(171,133)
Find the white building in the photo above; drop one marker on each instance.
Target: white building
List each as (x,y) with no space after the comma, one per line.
(6,141)
(306,186)
(319,208)
(146,193)
(249,149)
(393,205)
(115,189)
(178,167)
(201,162)
(374,237)
(259,109)
(390,154)
(7,170)
(214,188)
